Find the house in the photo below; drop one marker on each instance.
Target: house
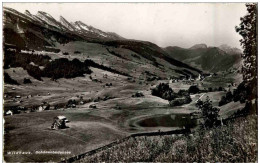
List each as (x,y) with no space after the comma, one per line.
(59,122)
(81,102)
(40,108)
(62,117)
(17,96)
(105,76)
(199,77)
(9,112)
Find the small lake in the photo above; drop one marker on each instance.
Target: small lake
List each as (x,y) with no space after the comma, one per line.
(168,120)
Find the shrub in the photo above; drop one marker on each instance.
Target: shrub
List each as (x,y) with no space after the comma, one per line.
(180,101)
(229,96)
(210,89)
(209,113)
(223,101)
(26,81)
(183,92)
(220,89)
(193,89)
(72,103)
(241,93)
(65,53)
(226,99)
(77,52)
(138,94)
(108,84)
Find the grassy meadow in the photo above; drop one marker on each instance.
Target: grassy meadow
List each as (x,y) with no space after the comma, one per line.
(234,142)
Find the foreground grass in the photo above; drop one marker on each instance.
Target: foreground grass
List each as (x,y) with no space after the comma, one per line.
(234,142)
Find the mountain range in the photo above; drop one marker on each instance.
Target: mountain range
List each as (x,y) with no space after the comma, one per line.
(28,31)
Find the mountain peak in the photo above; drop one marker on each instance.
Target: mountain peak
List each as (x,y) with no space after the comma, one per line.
(45,14)
(229,49)
(46,20)
(27,12)
(199,46)
(66,24)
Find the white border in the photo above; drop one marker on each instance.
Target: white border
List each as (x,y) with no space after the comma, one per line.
(100,1)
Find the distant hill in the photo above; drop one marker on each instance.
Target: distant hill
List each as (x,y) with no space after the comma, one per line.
(230,50)
(211,59)
(199,46)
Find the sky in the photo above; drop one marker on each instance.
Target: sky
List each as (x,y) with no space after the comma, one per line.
(165,24)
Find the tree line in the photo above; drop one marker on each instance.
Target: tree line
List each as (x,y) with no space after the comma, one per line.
(58,68)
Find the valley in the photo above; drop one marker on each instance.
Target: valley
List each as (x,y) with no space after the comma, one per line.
(102,83)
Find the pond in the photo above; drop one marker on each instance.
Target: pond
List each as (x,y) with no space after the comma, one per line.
(170,120)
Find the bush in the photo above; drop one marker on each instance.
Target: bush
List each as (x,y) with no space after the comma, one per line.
(164,91)
(77,52)
(26,81)
(226,99)
(209,113)
(72,103)
(210,89)
(241,93)
(223,101)
(220,89)
(229,96)
(108,84)
(183,92)
(180,101)
(193,89)
(138,94)
(65,53)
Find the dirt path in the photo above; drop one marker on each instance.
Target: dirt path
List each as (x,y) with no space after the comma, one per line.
(200,97)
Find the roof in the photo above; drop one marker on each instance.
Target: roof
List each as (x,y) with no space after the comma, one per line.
(9,111)
(61,117)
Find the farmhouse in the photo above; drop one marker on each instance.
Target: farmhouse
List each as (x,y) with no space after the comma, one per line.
(40,108)
(9,112)
(17,96)
(59,122)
